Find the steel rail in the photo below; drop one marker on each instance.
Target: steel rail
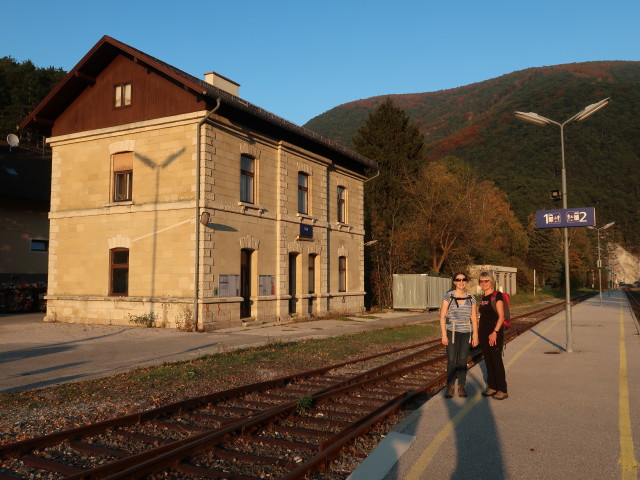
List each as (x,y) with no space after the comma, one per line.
(201,442)
(24,446)
(331,448)
(240,423)
(141,466)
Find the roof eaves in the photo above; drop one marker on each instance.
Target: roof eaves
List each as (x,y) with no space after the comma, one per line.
(199,87)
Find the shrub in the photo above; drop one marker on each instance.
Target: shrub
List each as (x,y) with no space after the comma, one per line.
(145,320)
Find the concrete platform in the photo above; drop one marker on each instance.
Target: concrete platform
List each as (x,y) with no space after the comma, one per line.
(568,416)
(34,354)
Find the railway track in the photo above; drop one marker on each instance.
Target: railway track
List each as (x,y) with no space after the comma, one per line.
(633,296)
(284,428)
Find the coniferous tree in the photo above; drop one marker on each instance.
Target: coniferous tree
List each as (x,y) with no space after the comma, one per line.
(545,254)
(389,138)
(22,87)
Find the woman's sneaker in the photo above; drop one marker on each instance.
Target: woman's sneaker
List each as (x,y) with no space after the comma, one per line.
(500,395)
(489,392)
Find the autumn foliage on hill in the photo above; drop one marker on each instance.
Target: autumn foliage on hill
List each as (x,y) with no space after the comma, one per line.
(427,216)
(476,124)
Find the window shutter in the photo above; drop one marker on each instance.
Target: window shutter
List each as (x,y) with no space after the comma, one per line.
(123,161)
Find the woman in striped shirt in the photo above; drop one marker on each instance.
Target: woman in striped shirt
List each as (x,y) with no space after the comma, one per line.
(459,328)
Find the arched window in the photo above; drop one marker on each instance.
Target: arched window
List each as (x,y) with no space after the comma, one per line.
(247,177)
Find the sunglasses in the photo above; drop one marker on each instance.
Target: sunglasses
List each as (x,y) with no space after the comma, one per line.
(485,281)
(461,280)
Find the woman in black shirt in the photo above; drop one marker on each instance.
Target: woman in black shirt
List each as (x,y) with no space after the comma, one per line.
(491,333)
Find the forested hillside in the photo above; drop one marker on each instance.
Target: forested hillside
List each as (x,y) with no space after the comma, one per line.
(476,123)
(22,86)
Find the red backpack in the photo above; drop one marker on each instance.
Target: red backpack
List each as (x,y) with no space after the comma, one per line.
(507,312)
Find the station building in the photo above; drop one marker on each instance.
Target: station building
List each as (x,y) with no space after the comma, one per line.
(172,197)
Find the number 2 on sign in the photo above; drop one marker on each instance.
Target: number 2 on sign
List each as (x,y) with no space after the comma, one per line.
(580,217)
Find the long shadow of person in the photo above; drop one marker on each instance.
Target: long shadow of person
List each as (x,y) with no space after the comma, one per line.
(469,438)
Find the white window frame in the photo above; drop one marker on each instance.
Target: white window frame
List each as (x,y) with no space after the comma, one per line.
(122,94)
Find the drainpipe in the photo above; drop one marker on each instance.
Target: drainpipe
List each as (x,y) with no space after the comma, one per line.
(196,284)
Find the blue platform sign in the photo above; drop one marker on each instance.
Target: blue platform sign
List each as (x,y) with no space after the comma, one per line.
(569,217)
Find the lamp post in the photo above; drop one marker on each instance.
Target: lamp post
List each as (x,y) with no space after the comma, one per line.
(611,261)
(599,262)
(543,121)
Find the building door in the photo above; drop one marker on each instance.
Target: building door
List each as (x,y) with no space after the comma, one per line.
(245,283)
(292,282)
(312,282)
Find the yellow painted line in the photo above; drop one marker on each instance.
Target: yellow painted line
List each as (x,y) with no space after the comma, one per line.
(628,462)
(443,434)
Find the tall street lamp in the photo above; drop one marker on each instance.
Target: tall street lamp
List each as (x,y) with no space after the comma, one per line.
(543,121)
(599,263)
(612,263)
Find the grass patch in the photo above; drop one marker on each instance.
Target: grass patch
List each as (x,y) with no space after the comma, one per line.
(304,404)
(207,373)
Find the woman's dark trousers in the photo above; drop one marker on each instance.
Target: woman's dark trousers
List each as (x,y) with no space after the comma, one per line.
(457,353)
(496,378)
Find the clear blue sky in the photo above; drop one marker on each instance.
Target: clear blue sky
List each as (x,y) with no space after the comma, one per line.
(298,58)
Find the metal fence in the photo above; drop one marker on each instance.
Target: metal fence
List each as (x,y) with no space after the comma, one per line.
(419,291)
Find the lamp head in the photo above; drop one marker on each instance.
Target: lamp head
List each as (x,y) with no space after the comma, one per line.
(533,118)
(591,109)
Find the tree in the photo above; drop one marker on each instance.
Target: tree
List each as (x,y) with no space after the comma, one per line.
(545,253)
(388,137)
(463,220)
(22,87)
(445,215)
(499,238)
(581,256)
